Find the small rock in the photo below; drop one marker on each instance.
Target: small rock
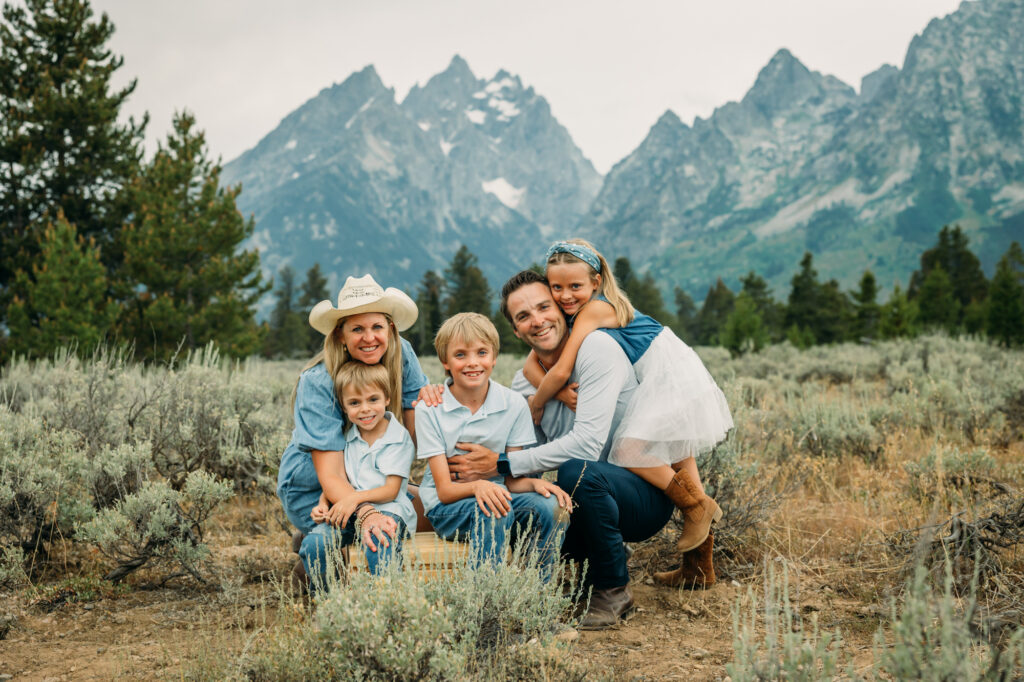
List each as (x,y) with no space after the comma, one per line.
(699,654)
(88,607)
(4,677)
(101,650)
(735,583)
(649,581)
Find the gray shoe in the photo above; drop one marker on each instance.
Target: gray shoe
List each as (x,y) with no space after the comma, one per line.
(607,608)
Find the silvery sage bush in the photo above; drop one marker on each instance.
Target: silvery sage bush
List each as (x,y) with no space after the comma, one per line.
(158,526)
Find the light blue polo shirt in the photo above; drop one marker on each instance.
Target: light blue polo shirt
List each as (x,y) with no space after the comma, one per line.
(368,466)
(502,422)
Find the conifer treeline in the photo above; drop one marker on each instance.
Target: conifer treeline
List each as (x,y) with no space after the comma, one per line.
(948,292)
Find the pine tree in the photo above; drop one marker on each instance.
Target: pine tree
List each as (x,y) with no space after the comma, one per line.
(62,146)
(713,314)
(962,267)
(937,304)
(686,319)
(804,298)
(1006,299)
(898,316)
(768,309)
(428,301)
(866,308)
(188,285)
(286,331)
(744,331)
(313,290)
(65,300)
(465,288)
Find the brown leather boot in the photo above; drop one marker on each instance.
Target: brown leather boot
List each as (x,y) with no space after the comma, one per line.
(697,570)
(607,608)
(699,510)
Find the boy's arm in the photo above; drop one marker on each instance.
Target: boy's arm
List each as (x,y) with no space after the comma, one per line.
(592,316)
(490,497)
(330,471)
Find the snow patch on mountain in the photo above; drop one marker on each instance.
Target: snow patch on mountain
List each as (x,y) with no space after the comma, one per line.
(476,116)
(506,193)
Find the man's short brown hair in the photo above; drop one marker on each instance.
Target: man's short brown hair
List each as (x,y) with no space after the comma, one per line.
(517,282)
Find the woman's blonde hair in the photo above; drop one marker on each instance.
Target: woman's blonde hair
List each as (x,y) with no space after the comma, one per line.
(608,288)
(335,355)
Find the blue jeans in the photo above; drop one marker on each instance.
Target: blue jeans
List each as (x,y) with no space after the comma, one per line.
(324,538)
(488,535)
(612,505)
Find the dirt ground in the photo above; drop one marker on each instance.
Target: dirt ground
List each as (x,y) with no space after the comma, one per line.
(90,631)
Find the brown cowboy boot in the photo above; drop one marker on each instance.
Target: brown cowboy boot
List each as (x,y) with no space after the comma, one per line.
(699,510)
(697,570)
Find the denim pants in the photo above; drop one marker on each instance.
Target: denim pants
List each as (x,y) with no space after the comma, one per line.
(488,535)
(611,505)
(324,538)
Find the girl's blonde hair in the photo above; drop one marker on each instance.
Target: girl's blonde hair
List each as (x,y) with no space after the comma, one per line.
(608,288)
(335,355)
(358,375)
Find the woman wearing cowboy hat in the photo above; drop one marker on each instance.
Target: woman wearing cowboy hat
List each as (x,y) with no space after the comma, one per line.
(363,327)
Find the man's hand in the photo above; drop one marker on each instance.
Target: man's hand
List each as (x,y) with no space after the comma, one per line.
(568,395)
(477,464)
(431,394)
(492,499)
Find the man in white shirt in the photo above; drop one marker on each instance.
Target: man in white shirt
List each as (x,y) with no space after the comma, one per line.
(611,504)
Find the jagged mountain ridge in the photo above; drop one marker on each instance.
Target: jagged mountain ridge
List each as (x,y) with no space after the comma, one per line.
(361,183)
(804,162)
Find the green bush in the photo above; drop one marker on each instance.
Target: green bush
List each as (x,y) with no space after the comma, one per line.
(159,526)
(787,650)
(934,636)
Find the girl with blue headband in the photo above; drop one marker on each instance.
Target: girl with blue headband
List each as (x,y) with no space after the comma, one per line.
(676,412)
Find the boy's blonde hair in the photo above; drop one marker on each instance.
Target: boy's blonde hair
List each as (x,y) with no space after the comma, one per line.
(608,288)
(465,327)
(355,373)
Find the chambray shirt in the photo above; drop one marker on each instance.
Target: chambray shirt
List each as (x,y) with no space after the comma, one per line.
(368,466)
(319,424)
(502,422)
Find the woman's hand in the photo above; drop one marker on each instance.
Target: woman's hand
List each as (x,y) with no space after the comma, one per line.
(492,499)
(343,509)
(568,396)
(378,527)
(319,513)
(547,489)
(431,394)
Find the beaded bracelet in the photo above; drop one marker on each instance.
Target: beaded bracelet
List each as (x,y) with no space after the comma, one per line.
(362,519)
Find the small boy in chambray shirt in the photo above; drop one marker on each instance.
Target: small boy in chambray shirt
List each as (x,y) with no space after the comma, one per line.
(374,469)
(475,409)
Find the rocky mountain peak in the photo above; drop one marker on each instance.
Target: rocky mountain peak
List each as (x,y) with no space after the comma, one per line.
(871,84)
(783,83)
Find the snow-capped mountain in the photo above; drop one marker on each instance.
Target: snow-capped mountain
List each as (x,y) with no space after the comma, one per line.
(360,183)
(803,162)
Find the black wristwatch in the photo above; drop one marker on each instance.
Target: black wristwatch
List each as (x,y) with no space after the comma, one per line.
(504,466)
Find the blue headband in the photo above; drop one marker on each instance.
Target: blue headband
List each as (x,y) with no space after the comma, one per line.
(586,255)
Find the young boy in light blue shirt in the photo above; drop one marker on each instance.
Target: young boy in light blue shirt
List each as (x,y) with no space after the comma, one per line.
(477,410)
(372,474)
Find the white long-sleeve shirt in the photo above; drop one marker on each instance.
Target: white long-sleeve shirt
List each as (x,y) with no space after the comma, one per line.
(606,384)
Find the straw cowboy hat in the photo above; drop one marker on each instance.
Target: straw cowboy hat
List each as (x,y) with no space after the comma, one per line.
(364,295)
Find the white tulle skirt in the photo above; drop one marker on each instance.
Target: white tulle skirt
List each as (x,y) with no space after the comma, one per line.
(676,412)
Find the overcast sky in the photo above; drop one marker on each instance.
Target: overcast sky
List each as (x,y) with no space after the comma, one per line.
(608,68)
